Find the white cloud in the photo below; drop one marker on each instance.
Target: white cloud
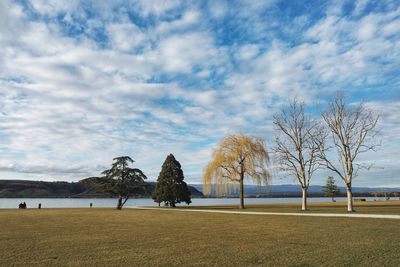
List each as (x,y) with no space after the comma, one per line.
(10,21)
(49,168)
(125,36)
(53,7)
(156,7)
(218,8)
(391,28)
(181,53)
(188,18)
(360,5)
(247,52)
(367,30)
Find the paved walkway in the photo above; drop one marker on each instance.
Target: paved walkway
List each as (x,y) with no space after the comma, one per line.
(348,215)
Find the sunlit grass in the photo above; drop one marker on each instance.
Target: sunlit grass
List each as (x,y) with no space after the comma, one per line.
(370,207)
(99,237)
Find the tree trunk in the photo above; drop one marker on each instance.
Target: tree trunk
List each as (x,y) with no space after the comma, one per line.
(119,205)
(241,192)
(304,198)
(349,198)
(123,203)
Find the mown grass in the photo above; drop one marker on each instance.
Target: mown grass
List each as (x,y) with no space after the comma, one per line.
(104,237)
(371,207)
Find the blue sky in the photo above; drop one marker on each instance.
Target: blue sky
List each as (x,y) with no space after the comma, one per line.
(82,82)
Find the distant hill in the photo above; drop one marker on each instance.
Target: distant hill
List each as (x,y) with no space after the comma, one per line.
(86,188)
(27,189)
(295,190)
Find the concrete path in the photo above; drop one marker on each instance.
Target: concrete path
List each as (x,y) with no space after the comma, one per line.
(348,215)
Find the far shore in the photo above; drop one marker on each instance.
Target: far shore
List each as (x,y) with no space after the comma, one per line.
(367,207)
(356,197)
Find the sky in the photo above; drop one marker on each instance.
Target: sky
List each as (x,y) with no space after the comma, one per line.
(82,82)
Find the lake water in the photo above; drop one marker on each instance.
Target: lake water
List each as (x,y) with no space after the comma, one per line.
(11,203)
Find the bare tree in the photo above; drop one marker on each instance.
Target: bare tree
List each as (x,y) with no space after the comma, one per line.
(296,150)
(352,129)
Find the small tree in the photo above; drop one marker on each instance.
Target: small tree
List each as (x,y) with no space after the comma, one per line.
(170,187)
(123,180)
(330,189)
(238,157)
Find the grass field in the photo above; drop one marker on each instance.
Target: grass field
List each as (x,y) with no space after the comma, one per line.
(371,207)
(100,237)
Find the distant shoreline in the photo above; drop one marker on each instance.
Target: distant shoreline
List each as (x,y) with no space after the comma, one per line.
(197,197)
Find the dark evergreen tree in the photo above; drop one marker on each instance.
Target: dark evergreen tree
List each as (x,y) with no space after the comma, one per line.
(330,189)
(123,180)
(170,187)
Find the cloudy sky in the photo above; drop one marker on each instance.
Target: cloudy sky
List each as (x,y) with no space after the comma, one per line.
(82,82)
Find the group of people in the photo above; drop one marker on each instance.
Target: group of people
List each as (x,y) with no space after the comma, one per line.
(22,205)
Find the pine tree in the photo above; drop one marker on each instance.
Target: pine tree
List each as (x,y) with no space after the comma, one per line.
(170,187)
(331,190)
(123,180)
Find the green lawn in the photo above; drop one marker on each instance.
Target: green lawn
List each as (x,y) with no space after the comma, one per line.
(372,207)
(99,237)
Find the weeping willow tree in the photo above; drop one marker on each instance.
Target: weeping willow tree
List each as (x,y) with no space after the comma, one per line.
(237,157)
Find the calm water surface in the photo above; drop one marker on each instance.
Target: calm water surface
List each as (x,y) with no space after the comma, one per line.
(11,203)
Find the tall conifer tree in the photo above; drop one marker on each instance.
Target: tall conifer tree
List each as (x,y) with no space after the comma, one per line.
(171,188)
